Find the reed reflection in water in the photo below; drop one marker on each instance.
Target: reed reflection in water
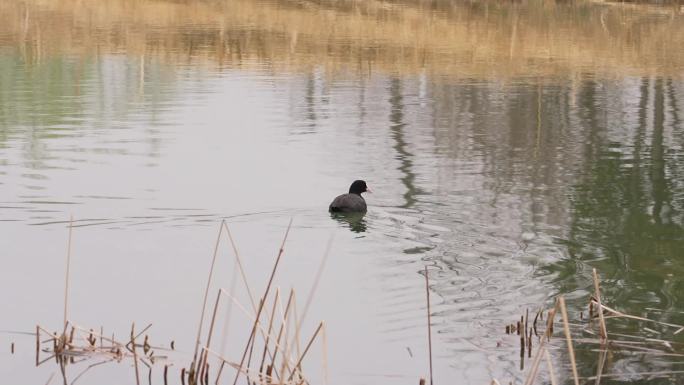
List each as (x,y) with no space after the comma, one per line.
(457,39)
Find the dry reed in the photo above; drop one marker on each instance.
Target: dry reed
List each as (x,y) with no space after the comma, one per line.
(429,322)
(597,293)
(620,343)
(76,344)
(568,337)
(68,269)
(504,40)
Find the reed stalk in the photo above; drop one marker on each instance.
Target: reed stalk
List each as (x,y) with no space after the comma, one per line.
(211,325)
(127,345)
(206,292)
(316,281)
(429,322)
(241,268)
(624,315)
(270,328)
(286,350)
(37,345)
(297,322)
(602,361)
(229,311)
(324,337)
(68,270)
(549,365)
(301,357)
(284,321)
(251,346)
(597,293)
(236,366)
(277,344)
(265,296)
(135,355)
(540,351)
(568,337)
(49,380)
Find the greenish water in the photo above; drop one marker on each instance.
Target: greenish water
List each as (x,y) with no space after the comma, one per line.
(511,162)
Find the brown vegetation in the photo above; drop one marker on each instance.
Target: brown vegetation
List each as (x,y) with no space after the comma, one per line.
(280,362)
(483,39)
(592,333)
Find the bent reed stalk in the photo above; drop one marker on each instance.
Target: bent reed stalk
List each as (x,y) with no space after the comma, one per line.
(78,344)
(281,359)
(573,333)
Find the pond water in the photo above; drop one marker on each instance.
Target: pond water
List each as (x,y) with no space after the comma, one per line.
(511,148)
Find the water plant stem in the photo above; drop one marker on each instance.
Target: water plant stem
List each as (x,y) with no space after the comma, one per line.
(566,328)
(429,322)
(68,269)
(602,321)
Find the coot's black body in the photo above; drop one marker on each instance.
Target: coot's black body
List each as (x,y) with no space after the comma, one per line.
(351,202)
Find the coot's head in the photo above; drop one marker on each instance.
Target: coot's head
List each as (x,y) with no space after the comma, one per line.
(358,187)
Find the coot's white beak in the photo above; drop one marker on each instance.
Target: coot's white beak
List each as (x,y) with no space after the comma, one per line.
(368,190)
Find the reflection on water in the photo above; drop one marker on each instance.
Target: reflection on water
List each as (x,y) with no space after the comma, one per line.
(628,207)
(397,126)
(355,221)
(512,147)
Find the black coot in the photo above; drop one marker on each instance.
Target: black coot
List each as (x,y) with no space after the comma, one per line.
(352,202)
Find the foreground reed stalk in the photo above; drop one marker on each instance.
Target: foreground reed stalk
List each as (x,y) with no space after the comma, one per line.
(299,362)
(541,350)
(633,344)
(68,269)
(602,321)
(571,350)
(283,324)
(135,355)
(270,328)
(549,364)
(261,305)
(206,293)
(429,321)
(77,344)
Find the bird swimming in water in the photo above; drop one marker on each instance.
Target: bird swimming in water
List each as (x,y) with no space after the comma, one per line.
(351,202)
